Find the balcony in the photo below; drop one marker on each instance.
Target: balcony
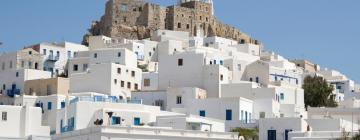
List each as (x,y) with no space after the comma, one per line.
(13,92)
(52,58)
(66,129)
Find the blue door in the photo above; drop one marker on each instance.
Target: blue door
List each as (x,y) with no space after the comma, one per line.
(271,134)
(136,121)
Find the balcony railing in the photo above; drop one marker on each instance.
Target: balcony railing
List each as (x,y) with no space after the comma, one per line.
(53,58)
(13,92)
(110,99)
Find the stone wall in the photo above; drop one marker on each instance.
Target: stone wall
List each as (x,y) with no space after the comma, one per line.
(136,19)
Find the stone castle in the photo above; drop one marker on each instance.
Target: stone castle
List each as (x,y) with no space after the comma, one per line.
(137,19)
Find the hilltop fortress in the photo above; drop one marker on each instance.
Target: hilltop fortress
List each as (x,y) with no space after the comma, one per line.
(137,19)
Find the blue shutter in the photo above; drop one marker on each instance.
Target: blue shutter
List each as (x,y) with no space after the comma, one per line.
(49,105)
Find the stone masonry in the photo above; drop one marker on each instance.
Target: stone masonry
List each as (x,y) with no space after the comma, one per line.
(137,19)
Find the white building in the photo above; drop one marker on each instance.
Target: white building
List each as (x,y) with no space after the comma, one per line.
(116,68)
(56,55)
(22,123)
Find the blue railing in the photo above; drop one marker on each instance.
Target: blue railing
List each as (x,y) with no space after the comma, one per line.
(13,92)
(66,129)
(110,99)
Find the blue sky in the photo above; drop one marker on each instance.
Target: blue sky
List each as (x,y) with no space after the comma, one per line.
(323,31)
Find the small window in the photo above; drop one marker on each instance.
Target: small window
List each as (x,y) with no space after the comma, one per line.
(129,85)
(119,70)
(122,84)
(178,100)
(22,64)
(229,115)
(44,51)
(4,87)
(76,67)
(132,73)
(202,113)
(95,55)
(180,62)
(221,77)
(30,52)
(257,79)
(187,26)
(146,82)
(136,121)
(17,74)
(136,86)
(179,25)
(251,79)
(282,96)
(115,81)
(150,54)
(115,120)
(4,116)
(119,54)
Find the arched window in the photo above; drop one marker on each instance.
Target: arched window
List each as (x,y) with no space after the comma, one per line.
(251,79)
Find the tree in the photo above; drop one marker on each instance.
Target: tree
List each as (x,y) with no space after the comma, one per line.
(318,93)
(248,134)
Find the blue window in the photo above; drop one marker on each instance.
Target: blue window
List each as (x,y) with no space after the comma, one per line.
(257,79)
(62,104)
(221,62)
(282,96)
(338,87)
(215,62)
(136,121)
(229,115)
(202,113)
(116,120)
(49,105)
